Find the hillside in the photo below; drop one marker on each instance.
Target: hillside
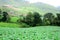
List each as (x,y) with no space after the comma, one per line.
(23,7)
(58,8)
(14,3)
(45,7)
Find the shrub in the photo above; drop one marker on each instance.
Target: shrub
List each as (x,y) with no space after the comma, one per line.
(21,19)
(24,25)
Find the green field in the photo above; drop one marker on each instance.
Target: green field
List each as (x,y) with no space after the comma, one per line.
(14,19)
(17,29)
(9,25)
(13,23)
(37,33)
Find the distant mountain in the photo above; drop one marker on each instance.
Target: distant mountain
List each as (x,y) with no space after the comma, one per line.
(22,7)
(15,3)
(58,8)
(45,7)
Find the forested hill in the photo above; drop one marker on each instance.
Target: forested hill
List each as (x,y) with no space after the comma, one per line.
(22,6)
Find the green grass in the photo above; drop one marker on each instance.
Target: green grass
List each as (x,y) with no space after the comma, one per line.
(13,23)
(36,33)
(9,25)
(14,19)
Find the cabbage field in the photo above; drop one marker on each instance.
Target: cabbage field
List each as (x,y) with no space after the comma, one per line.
(33,33)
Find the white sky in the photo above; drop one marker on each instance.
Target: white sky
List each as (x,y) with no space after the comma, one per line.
(51,2)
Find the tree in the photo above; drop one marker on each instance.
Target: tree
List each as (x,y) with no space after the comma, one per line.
(37,19)
(32,19)
(29,19)
(1,15)
(57,20)
(48,19)
(5,17)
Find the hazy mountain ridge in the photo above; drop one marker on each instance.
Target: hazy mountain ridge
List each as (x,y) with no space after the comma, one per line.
(58,8)
(22,6)
(13,2)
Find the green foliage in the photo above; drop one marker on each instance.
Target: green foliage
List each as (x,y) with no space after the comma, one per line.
(57,20)
(48,18)
(58,15)
(24,25)
(37,33)
(32,19)
(9,25)
(14,19)
(29,19)
(4,17)
(37,19)
(0,14)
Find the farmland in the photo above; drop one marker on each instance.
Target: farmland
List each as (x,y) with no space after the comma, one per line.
(37,33)
(21,20)
(9,25)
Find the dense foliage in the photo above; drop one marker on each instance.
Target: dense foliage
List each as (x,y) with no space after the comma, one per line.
(48,19)
(4,17)
(37,33)
(32,19)
(57,20)
(35,19)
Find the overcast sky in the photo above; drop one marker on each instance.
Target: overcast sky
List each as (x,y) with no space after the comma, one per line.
(51,2)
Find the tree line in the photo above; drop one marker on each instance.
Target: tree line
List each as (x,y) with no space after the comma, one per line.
(34,19)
